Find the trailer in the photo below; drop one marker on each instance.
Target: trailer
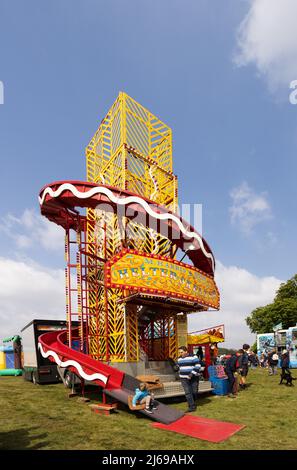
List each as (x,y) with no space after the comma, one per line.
(36,368)
(265,343)
(292,345)
(282,339)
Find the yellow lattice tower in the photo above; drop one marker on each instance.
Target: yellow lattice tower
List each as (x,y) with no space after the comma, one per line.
(131,150)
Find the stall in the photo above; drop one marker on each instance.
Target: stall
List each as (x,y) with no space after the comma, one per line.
(204,343)
(10,356)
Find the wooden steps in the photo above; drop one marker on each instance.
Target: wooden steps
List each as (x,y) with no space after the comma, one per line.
(104,409)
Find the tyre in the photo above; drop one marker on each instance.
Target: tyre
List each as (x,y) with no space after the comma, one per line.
(68,378)
(34,378)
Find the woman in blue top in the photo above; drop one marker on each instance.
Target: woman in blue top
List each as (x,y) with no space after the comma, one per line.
(142,395)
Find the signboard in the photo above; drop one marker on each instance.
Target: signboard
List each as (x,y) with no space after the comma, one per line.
(154,274)
(265,343)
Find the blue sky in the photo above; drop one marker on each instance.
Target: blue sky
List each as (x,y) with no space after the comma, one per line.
(63,63)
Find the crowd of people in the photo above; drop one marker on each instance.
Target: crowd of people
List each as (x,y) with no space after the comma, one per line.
(236,367)
(253,360)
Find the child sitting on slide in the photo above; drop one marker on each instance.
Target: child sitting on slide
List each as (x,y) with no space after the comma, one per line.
(142,395)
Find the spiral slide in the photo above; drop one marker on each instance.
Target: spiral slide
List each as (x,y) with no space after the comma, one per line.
(54,199)
(116,384)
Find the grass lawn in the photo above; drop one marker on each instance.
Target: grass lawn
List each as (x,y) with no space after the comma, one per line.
(43,417)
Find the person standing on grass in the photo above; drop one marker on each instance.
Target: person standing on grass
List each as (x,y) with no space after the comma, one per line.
(232,366)
(285,363)
(272,362)
(189,367)
(269,358)
(265,358)
(244,366)
(254,360)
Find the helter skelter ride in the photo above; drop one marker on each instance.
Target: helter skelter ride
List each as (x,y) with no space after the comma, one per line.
(124,285)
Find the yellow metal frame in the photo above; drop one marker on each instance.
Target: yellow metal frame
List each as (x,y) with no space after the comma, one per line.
(131,150)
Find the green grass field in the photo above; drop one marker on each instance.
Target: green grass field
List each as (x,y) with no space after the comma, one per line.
(43,417)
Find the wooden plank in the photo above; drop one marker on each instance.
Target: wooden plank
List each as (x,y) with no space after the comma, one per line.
(104,407)
(152,381)
(134,408)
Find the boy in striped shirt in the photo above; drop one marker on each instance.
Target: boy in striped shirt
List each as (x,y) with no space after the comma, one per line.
(189,367)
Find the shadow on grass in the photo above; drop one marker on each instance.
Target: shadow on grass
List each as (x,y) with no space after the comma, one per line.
(20,439)
(202,400)
(93,392)
(249,384)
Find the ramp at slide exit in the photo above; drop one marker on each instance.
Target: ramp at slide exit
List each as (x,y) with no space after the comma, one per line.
(116,384)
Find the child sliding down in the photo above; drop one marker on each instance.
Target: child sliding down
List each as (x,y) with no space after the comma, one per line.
(142,395)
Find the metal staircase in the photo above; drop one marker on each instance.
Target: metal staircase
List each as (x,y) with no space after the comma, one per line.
(171,383)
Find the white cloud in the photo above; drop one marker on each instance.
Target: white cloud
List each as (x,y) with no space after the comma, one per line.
(32,228)
(248,208)
(267,38)
(29,291)
(241,292)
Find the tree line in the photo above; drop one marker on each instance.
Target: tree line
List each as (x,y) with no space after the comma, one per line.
(282,310)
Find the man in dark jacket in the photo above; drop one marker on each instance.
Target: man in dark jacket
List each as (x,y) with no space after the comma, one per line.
(244,366)
(285,365)
(285,362)
(232,365)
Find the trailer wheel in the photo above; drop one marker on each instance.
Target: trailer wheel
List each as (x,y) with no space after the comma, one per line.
(34,378)
(68,377)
